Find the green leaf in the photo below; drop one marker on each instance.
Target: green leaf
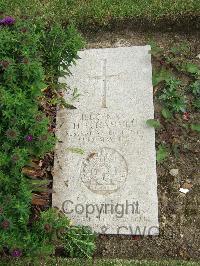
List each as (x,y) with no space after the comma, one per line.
(182,48)
(65,104)
(195,127)
(161,153)
(160,75)
(195,88)
(155,49)
(166,113)
(76,150)
(192,68)
(153,123)
(42,86)
(75,94)
(175,149)
(39,182)
(196,103)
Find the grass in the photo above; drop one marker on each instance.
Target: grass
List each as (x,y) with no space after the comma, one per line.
(81,262)
(101,12)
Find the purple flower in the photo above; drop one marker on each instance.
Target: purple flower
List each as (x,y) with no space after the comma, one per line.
(5,224)
(7,21)
(29,138)
(16,253)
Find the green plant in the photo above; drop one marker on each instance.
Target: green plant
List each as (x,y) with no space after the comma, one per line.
(161,153)
(196,103)
(98,12)
(79,242)
(160,76)
(29,68)
(23,129)
(195,127)
(153,123)
(172,99)
(55,229)
(76,150)
(166,113)
(181,49)
(191,68)
(156,51)
(194,88)
(59,50)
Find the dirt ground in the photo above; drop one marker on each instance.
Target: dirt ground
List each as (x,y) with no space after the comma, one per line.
(179,214)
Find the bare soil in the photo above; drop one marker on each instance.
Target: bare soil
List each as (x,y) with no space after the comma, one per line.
(179,214)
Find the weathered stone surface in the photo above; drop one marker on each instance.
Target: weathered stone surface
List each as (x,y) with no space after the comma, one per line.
(105,161)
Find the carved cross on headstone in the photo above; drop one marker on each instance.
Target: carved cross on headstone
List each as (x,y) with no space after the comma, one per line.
(104,76)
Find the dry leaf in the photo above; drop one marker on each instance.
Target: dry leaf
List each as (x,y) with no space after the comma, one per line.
(187,185)
(39,201)
(31,172)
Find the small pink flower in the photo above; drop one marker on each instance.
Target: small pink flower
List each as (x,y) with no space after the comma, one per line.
(16,253)
(29,138)
(5,224)
(186,116)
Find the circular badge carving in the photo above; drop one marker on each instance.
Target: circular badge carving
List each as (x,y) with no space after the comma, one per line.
(104,171)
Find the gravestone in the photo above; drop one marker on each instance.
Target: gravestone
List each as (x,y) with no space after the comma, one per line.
(105,160)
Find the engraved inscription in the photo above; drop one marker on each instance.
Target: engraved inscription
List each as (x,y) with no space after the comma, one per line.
(96,127)
(104,171)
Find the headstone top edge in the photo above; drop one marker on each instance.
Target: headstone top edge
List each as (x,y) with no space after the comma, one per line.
(135,47)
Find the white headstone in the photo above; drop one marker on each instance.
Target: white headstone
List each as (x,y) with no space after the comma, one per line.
(105,161)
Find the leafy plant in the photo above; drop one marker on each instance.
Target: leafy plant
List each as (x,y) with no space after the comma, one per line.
(160,76)
(31,50)
(153,123)
(55,229)
(195,127)
(191,68)
(161,153)
(175,150)
(75,94)
(156,51)
(79,241)
(22,134)
(195,88)
(76,150)
(181,49)
(196,103)
(59,50)
(166,113)
(172,98)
